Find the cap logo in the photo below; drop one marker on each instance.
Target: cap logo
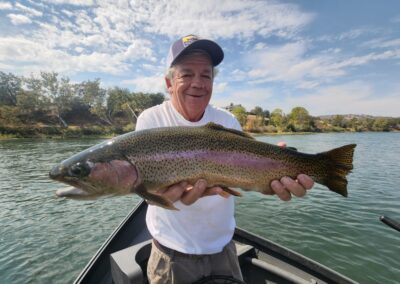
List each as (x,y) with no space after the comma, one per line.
(187,40)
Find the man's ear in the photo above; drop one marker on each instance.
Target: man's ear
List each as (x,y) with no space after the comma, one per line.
(169,84)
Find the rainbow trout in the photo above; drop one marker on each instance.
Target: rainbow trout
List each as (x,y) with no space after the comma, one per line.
(144,161)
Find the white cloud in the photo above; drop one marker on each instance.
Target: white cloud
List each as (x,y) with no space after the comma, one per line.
(30,11)
(382,43)
(18,19)
(222,19)
(72,2)
(125,31)
(219,87)
(68,13)
(139,48)
(352,98)
(248,98)
(291,63)
(352,34)
(5,6)
(35,57)
(151,84)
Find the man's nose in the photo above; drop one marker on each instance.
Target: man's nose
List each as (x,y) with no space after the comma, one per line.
(198,82)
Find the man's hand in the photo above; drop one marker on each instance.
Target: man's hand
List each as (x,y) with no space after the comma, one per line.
(286,187)
(189,194)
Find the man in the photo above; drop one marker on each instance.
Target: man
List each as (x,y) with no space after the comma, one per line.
(196,241)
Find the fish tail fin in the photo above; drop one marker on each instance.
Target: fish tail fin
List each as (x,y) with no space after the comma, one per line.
(340,164)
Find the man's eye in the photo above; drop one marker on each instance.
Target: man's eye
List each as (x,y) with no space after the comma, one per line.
(206,76)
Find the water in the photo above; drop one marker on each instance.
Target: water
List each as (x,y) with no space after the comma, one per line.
(44,239)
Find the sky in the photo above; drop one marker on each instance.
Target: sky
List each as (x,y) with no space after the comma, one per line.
(331,57)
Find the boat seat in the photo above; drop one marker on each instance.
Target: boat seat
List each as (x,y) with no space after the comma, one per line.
(128,266)
(244,251)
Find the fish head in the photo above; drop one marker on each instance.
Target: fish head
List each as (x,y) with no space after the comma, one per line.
(98,171)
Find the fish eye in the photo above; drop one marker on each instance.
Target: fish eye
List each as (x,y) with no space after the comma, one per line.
(80,170)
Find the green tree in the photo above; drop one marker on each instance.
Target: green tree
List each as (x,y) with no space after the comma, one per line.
(10,85)
(353,123)
(366,123)
(339,121)
(93,97)
(240,113)
(260,118)
(29,103)
(116,99)
(381,124)
(91,93)
(156,99)
(277,118)
(48,86)
(300,119)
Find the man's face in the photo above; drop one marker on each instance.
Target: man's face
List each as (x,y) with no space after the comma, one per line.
(191,86)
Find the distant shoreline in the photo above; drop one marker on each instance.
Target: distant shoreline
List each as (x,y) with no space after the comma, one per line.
(74,132)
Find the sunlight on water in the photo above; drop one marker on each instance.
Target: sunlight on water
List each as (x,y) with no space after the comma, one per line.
(44,239)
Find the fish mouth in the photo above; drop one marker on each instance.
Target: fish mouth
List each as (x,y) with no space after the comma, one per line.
(72,192)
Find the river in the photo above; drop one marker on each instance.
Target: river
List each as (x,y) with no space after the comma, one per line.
(44,239)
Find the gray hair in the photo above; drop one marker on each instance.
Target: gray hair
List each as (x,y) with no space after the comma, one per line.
(170,71)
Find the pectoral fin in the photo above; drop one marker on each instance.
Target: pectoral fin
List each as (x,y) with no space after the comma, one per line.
(230,191)
(154,199)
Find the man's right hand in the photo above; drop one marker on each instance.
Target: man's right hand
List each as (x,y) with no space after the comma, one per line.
(189,194)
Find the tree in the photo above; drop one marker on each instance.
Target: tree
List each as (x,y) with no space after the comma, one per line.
(381,124)
(30,103)
(116,98)
(277,118)
(259,113)
(240,113)
(156,99)
(91,93)
(339,121)
(50,84)
(10,85)
(47,90)
(300,119)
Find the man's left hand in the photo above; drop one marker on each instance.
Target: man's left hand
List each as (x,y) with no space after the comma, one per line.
(286,187)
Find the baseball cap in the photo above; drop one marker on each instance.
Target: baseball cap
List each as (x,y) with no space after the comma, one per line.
(190,42)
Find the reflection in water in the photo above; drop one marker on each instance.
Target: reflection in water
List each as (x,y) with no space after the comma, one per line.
(48,239)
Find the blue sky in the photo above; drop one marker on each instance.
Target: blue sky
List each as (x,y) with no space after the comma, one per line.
(331,57)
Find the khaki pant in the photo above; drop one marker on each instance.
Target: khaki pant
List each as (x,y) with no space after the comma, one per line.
(169,267)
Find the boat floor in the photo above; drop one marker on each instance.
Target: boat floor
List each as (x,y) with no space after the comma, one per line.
(123,258)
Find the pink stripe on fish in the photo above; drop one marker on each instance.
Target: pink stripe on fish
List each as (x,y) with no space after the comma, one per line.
(224,158)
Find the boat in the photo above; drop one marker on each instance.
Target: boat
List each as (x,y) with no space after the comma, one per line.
(123,259)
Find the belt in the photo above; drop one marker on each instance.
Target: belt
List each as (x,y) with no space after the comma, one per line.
(172,252)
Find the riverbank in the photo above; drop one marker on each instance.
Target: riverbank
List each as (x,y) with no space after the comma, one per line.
(95,131)
(56,132)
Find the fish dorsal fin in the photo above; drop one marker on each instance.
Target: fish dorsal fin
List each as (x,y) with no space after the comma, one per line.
(214,126)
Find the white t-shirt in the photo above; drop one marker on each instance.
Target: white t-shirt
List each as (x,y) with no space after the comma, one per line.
(206,226)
